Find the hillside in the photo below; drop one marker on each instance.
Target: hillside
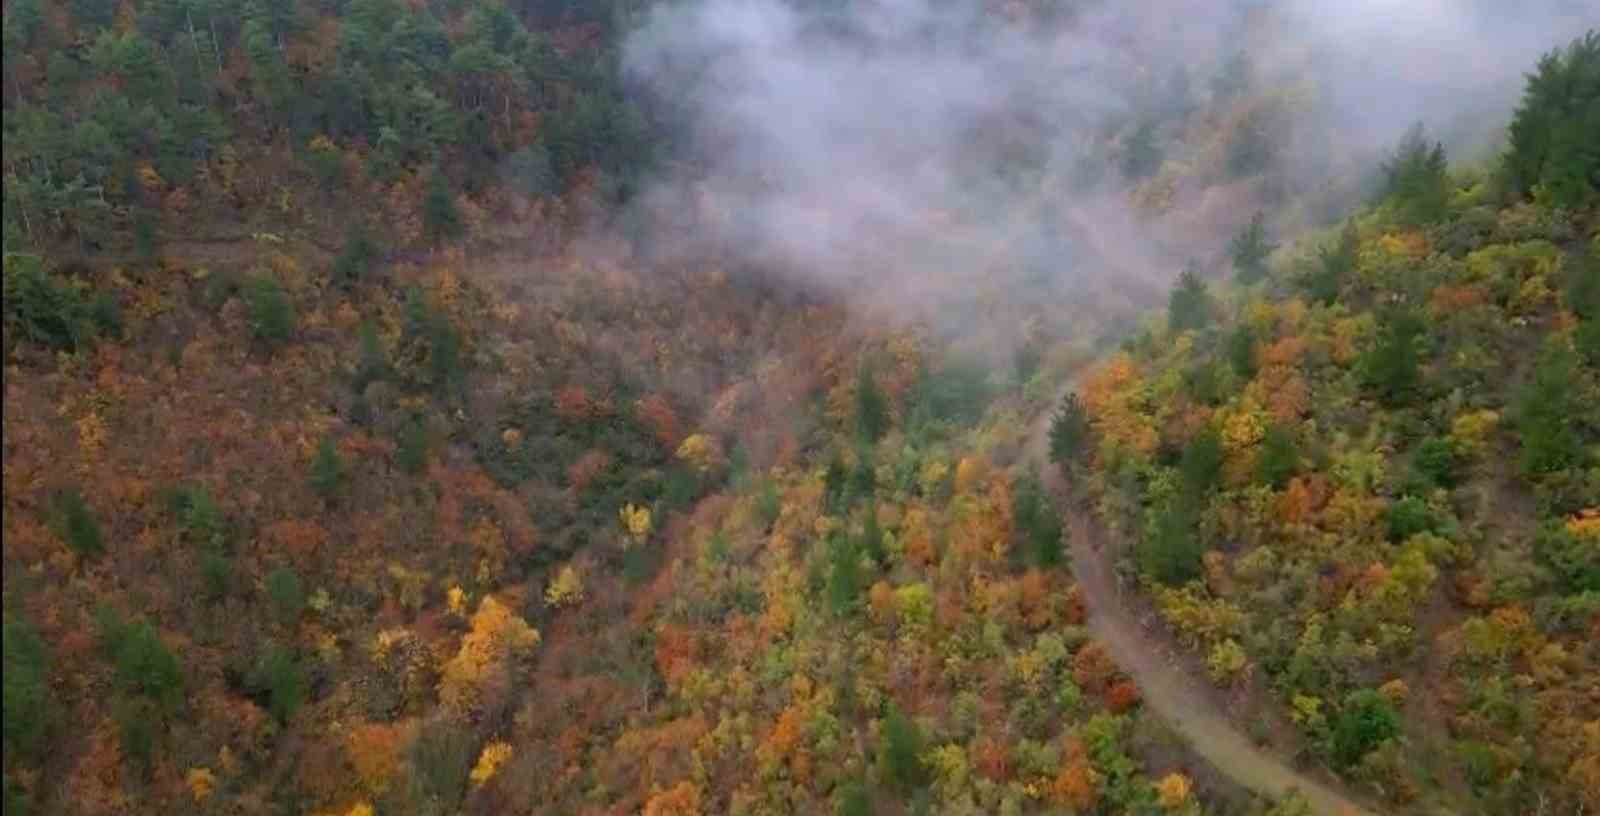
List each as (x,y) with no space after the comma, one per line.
(1363,478)
(406,413)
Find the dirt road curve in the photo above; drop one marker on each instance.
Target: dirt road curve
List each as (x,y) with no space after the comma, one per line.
(1170,691)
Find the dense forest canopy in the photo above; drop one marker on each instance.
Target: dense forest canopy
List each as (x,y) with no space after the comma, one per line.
(469,407)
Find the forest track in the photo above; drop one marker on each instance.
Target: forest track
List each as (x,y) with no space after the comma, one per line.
(1172,690)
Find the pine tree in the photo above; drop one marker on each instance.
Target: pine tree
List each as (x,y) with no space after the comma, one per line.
(327,470)
(1553,148)
(1141,156)
(900,751)
(439,216)
(1249,250)
(872,410)
(357,257)
(1546,414)
(1393,366)
(76,524)
(1334,264)
(1416,178)
(1069,431)
(1189,305)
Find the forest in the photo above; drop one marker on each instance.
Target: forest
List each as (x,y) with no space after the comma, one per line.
(376,440)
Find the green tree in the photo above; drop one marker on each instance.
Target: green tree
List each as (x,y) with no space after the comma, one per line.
(1249,250)
(872,536)
(356,258)
(872,410)
(1333,266)
(1279,458)
(76,524)
(327,469)
(1242,351)
(26,689)
(1365,721)
(1037,523)
(1417,179)
(1552,146)
(272,316)
(1170,552)
(1189,304)
(900,751)
(853,800)
(144,666)
(1069,431)
(1546,414)
(1141,156)
(1436,460)
(440,219)
(280,677)
(413,448)
(286,593)
(845,577)
(1201,466)
(1392,367)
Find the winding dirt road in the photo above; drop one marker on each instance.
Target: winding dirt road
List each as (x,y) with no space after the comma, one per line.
(1170,690)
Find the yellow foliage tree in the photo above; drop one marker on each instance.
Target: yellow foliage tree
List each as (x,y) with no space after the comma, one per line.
(702,452)
(1173,791)
(494,755)
(201,783)
(565,589)
(635,522)
(497,634)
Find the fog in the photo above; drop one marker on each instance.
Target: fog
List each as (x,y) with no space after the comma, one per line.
(890,149)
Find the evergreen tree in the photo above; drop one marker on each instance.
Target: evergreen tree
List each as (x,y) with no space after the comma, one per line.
(1170,552)
(413,448)
(1235,78)
(357,257)
(327,470)
(1366,721)
(1069,431)
(1393,366)
(845,577)
(279,677)
(1141,156)
(1279,457)
(872,536)
(872,410)
(1249,250)
(1334,264)
(286,593)
(1242,351)
(26,689)
(271,315)
(1201,465)
(1553,148)
(76,524)
(900,751)
(1189,305)
(1416,178)
(439,216)
(1546,414)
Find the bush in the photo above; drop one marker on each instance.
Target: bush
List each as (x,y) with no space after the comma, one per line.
(1365,721)
(76,524)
